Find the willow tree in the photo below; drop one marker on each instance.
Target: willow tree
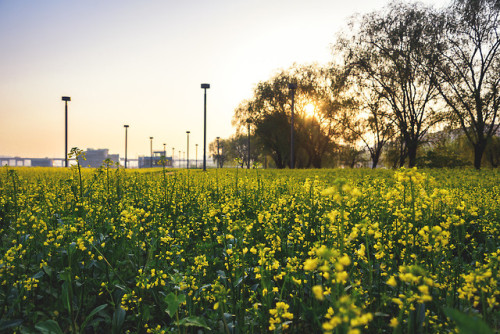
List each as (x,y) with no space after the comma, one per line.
(315,122)
(391,49)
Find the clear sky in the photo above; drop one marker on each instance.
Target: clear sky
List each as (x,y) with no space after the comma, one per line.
(142,62)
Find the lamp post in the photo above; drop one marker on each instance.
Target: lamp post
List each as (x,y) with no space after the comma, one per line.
(179,158)
(205,86)
(164,158)
(66,99)
(196,161)
(151,149)
(218,153)
(292,88)
(126,128)
(173,152)
(187,133)
(249,121)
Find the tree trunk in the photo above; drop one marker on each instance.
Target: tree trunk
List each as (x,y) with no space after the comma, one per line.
(479,148)
(412,155)
(402,154)
(309,161)
(316,161)
(377,151)
(375,159)
(278,160)
(353,162)
(402,159)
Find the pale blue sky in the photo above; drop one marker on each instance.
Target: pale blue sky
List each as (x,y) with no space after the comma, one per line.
(142,62)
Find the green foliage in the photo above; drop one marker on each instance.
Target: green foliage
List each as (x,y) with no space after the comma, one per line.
(49,327)
(436,159)
(467,324)
(173,301)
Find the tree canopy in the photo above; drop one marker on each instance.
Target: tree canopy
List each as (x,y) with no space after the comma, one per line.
(399,74)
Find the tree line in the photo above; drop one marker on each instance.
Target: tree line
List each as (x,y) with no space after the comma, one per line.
(399,75)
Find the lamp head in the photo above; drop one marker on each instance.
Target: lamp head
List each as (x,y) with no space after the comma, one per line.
(66,98)
(292,86)
(205,85)
(125,126)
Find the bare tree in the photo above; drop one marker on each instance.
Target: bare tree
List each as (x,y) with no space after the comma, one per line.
(469,72)
(370,122)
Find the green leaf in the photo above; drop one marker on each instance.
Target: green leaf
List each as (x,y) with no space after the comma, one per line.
(65,276)
(145,312)
(47,270)
(91,314)
(39,274)
(65,296)
(467,324)
(173,303)
(72,249)
(6,324)
(49,327)
(238,281)
(194,322)
(118,320)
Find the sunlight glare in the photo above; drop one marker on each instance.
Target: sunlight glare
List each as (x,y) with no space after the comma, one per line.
(310,110)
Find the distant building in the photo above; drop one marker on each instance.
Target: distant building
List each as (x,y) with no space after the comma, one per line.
(31,162)
(44,162)
(95,158)
(114,157)
(147,162)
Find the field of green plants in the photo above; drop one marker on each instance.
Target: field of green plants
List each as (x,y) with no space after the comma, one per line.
(249,251)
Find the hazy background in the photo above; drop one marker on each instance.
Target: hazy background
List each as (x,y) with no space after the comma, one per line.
(142,62)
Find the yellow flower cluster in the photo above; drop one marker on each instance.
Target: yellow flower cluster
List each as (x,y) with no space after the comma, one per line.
(330,263)
(130,301)
(278,314)
(481,285)
(416,286)
(349,316)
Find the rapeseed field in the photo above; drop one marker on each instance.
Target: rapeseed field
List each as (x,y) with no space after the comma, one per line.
(249,251)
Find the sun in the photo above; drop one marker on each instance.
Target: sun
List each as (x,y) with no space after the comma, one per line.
(310,110)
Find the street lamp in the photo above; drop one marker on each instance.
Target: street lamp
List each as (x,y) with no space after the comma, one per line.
(196,161)
(173,152)
(187,133)
(205,86)
(249,121)
(292,87)
(126,128)
(218,153)
(151,161)
(164,150)
(66,99)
